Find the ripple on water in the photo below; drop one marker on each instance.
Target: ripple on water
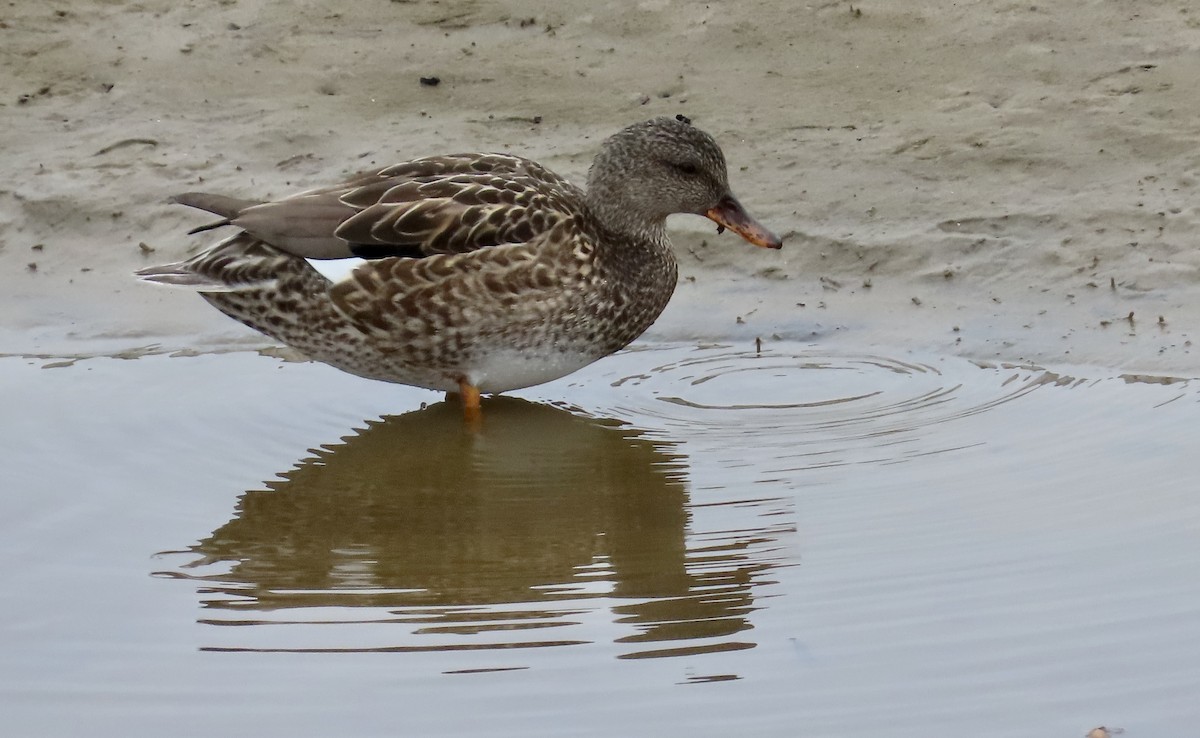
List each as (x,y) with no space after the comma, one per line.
(820,409)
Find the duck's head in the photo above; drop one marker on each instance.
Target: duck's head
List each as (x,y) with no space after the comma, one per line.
(664,166)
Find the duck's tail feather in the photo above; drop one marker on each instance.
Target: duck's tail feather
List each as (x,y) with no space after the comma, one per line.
(181,274)
(238,263)
(226,207)
(209,226)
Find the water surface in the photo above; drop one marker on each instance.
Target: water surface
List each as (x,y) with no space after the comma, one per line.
(706,540)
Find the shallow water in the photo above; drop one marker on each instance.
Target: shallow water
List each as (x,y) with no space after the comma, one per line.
(707,541)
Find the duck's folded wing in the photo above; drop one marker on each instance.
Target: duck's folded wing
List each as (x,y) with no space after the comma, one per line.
(400,298)
(439,205)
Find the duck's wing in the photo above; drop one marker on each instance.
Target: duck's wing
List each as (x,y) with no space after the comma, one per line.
(437,205)
(452,205)
(396,298)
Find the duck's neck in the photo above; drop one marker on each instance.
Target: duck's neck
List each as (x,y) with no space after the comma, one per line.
(638,271)
(624,216)
(634,245)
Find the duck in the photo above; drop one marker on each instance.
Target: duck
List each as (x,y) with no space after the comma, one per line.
(480,273)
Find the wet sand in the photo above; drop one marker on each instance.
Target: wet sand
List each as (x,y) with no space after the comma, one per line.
(951,495)
(998,181)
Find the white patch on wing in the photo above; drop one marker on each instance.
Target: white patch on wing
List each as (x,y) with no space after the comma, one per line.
(335,270)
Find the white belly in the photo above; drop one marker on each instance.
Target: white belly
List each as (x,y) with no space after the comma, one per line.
(500,371)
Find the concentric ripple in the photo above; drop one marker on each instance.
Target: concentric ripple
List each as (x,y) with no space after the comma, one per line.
(832,409)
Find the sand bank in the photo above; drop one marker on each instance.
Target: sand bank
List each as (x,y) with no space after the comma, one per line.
(1002,181)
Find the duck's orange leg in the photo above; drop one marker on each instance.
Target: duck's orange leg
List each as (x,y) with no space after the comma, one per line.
(469,393)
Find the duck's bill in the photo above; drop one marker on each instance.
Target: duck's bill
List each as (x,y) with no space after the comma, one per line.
(730,214)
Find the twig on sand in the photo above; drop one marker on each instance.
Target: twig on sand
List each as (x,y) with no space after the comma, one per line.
(126,142)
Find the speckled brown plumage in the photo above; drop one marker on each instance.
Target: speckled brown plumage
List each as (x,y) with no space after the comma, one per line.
(486,269)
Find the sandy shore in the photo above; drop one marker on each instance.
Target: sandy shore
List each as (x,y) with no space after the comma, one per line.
(1003,181)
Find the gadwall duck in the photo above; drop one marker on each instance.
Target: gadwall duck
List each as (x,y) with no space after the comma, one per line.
(484,272)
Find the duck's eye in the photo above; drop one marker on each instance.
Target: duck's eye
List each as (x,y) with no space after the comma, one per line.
(687,167)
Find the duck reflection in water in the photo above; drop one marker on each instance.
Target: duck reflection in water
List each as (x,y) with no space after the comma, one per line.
(478,540)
